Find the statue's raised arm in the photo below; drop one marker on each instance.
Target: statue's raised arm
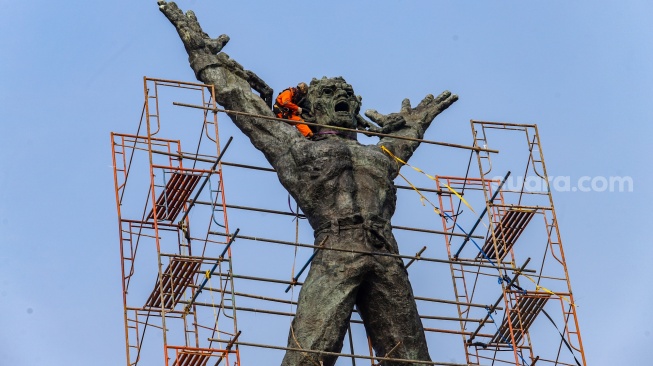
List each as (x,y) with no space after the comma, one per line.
(233,84)
(410,122)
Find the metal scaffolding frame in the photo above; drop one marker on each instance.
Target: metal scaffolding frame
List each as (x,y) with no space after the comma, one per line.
(510,211)
(180,287)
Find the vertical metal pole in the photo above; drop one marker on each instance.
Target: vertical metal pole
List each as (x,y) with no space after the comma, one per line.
(154,211)
(562,254)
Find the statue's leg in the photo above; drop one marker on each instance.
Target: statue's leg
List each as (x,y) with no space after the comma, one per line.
(388,309)
(325,304)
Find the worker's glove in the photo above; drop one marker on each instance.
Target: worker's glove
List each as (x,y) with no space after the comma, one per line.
(299,110)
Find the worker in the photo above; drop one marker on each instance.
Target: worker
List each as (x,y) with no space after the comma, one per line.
(287,107)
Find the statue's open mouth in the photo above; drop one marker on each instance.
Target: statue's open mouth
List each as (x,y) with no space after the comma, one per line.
(342,107)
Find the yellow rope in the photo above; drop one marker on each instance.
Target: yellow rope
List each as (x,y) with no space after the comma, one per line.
(207,274)
(306,354)
(538,287)
(460,197)
(422,198)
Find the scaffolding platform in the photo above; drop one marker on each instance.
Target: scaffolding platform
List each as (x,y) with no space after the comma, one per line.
(506,232)
(176,279)
(520,318)
(193,356)
(176,193)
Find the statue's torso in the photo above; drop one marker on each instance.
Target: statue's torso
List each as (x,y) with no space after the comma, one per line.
(337,178)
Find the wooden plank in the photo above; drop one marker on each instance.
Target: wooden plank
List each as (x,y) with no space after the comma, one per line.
(176,279)
(172,199)
(507,232)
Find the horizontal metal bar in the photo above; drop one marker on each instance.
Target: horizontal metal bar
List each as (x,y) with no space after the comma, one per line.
(406,228)
(433,231)
(253,167)
(454,302)
(284,313)
(183,156)
(177,83)
(435,317)
(348,355)
(201,258)
(426,259)
(251,296)
(434,330)
(502,124)
(447,144)
(522,207)
(439,191)
(284,282)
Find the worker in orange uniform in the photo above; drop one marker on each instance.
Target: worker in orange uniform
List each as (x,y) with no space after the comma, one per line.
(287,107)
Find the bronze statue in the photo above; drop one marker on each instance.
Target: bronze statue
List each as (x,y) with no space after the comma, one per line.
(344,188)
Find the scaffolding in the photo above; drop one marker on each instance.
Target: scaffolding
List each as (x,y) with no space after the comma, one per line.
(513,207)
(179,257)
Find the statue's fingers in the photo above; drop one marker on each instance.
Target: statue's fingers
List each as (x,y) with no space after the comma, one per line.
(372,129)
(443,96)
(362,122)
(191,15)
(437,108)
(449,101)
(174,14)
(405,105)
(217,44)
(394,125)
(375,116)
(170,9)
(425,102)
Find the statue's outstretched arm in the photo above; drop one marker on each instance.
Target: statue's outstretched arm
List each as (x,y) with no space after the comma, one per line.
(410,122)
(233,84)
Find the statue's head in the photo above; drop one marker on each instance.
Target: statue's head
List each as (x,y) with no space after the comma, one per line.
(333,102)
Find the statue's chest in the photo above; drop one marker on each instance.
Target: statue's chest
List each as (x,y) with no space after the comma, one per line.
(333,161)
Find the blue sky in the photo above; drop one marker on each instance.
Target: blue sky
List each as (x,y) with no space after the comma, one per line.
(72,72)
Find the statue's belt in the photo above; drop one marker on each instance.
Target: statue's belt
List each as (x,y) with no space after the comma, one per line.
(376,229)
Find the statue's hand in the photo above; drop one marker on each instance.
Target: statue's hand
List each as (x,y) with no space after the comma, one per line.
(425,112)
(204,51)
(386,124)
(190,31)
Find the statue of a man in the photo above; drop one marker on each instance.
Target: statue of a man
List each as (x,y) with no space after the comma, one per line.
(347,193)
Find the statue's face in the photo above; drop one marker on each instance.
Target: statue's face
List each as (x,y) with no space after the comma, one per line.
(333,102)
